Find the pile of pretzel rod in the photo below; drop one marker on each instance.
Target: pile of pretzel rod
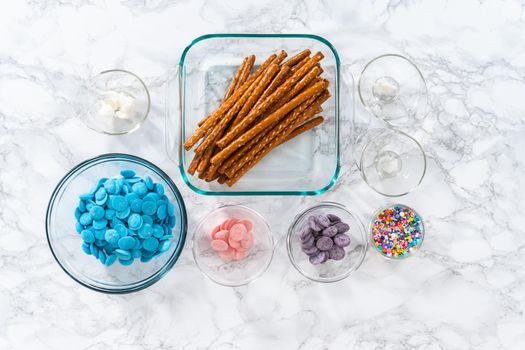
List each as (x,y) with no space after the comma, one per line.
(259,112)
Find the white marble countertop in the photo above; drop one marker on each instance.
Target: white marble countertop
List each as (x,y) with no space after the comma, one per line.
(466,288)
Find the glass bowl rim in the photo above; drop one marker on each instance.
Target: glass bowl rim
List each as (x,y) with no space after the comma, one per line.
(390,205)
(309,209)
(426,111)
(395,130)
(148,98)
(155,277)
(269,234)
(337,80)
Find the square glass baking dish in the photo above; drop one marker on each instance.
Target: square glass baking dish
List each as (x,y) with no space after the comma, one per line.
(306,165)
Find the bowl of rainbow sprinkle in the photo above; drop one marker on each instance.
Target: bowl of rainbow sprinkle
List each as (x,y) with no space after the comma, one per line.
(396,231)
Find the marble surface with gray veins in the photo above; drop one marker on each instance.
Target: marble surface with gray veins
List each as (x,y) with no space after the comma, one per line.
(466,288)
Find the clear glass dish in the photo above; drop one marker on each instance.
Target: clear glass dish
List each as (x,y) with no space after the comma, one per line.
(65,243)
(391,162)
(233,273)
(114,102)
(331,270)
(413,250)
(307,165)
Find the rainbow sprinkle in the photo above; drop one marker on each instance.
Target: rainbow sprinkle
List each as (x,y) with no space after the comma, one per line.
(397,231)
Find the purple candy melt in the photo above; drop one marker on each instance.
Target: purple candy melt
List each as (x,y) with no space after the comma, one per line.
(342,227)
(324,243)
(336,253)
(319,258)
(322,220)
(341,240)
(330,231)
(333,218)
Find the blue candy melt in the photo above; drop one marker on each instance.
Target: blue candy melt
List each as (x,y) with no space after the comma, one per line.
(88,236)
(135,221)
(110,214)
(110,186)
(164,246)
(120,203)
(85,219)
(159,189)
(112,237)
(121,230)
(110,259)
(162,212)
(145,231)
(97,212)
(149,207)
(126,173)
(126,243)
(136,205)
(86,248)
(149,183)
(100,224)
(123,254)
(150,244)
(125,262)
(140,189)
(124,213)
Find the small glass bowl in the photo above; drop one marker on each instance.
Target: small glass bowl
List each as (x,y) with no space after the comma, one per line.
(391,162)
(114,102)
(65,243)
(402,257)
(233,273)
(392,88)
(331,270)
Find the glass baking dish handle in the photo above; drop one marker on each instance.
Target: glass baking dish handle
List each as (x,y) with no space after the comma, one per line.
(347,116)
(173,113)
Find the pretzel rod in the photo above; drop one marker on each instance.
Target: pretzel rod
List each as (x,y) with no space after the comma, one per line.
(278,80)
(205,160)
(310,124)
(280,57)
(235,79)
(253,143)
(267,77)
(300,64)
(194,164)
(227,104)
(306,111)
(231,87)
(292,61)
(245,72)
(223,122)
(270,100)
(222,179)
(314,90)
(212,178)
(274,143)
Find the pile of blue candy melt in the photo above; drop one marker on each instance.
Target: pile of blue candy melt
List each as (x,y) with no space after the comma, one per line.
(125,218)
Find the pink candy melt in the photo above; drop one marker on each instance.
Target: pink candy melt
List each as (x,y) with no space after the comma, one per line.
(215,230)
(247,223)
(232,239)
(222,235)
(237,232)
(219,246)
